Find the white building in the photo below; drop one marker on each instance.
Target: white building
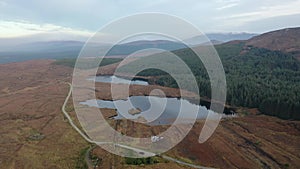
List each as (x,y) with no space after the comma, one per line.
(156,138)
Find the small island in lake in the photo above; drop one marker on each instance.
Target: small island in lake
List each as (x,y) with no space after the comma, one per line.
(134,111)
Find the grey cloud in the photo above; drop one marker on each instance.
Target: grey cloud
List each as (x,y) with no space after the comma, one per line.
(93,14)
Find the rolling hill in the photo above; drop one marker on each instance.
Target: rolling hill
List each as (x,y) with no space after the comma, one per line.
(218,38)
(285,40)
(34,47)
(257,77)
(71,49)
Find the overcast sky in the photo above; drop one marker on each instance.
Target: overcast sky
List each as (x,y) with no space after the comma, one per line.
(83,17)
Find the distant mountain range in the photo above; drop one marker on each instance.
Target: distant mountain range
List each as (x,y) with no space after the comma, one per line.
(71,49)
(217,38)
(13,50)
(40,50)
(131,47)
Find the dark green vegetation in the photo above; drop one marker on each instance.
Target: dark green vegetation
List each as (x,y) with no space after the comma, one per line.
(80,162)
(140,161)
(256,77)
(36,136)
(88,63)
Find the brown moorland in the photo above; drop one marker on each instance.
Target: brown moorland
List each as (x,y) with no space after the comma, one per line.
(34,133)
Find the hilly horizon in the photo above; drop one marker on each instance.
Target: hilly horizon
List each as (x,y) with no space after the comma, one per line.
(285,40)
(163,84)
(264,72)
(18,51)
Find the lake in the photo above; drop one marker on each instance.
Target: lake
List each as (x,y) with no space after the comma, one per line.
(156,110)
(118,80)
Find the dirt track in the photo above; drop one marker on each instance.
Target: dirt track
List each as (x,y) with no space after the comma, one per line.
(32,93)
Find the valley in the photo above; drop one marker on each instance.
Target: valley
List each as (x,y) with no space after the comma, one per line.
(251,140)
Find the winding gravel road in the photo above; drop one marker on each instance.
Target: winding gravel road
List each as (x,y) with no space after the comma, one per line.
(139,151)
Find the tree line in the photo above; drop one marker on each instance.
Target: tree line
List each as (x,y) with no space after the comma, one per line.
(256,78)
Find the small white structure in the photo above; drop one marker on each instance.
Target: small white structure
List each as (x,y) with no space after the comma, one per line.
(156,138)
